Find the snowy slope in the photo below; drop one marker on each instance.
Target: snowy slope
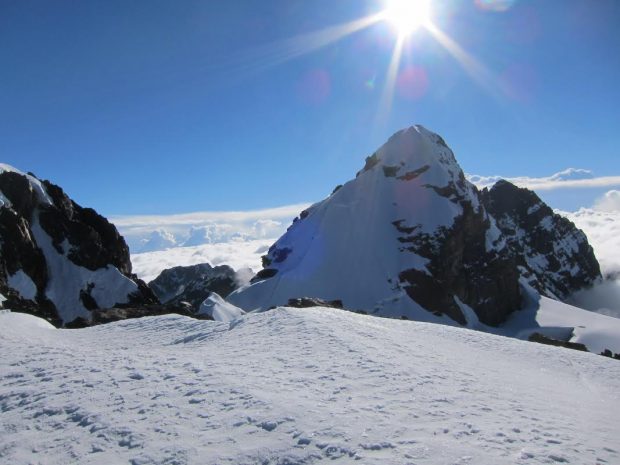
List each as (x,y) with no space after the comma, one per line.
(294,386)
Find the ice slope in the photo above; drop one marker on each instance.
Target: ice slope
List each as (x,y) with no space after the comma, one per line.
(299,386)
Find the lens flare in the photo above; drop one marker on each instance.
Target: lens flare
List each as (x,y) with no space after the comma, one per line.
(407,15)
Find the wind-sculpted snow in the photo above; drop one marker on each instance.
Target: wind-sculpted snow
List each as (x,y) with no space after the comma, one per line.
(298,386)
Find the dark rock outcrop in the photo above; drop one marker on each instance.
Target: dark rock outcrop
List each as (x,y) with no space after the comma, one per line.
(193,284)
(542,339)
(462,266)
(100,317)
(308,302)
(552,253)
(58,260)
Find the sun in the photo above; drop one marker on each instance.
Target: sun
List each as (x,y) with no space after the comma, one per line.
(406,15)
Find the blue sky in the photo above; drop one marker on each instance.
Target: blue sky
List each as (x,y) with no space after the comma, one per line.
(161,107)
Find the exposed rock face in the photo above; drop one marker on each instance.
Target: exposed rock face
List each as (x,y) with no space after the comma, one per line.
(410,237)
(194,284)
(59,260)
(462,266)
(100,317)
(553,254)
(309,302)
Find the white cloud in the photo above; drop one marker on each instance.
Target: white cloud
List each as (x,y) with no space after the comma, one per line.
(196,218)
(205,227)
(609,202)
(603,298)
(603,231)
(569,178)
(238,255)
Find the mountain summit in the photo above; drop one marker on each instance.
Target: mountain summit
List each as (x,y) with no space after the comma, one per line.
(410,237)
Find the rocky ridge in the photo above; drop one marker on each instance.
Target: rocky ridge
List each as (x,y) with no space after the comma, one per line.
(59,260)
(193,284)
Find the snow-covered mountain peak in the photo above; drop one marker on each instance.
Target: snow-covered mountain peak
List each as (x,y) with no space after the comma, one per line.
(384,240)
(414,153)
(409,237)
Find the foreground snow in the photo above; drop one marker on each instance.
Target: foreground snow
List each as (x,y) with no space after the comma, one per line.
(297,387)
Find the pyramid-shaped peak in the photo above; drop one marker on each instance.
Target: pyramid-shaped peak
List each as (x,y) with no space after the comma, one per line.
(414,143)
(415,153)
(410,237)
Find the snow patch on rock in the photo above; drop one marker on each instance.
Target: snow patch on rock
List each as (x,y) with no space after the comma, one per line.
(24,286)
(107,286)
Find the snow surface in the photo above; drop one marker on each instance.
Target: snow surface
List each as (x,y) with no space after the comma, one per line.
(298,386)
(22,283)
(219,309)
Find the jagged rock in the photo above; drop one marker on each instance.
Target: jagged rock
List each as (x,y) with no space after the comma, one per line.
(99,317)
(59,260)
(307,302)
(194,283)
(610,354)
(542,339)
(554,254)
(408,238)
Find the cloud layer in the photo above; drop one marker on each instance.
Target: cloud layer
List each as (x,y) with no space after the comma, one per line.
(609,202)
(147,233)
(603,231)
(574,178)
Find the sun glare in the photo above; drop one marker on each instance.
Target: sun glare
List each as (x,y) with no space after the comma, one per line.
(406,15)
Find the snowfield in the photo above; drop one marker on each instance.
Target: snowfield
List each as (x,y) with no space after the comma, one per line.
(298,386)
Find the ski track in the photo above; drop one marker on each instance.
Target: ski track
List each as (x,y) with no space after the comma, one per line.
(296,386)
